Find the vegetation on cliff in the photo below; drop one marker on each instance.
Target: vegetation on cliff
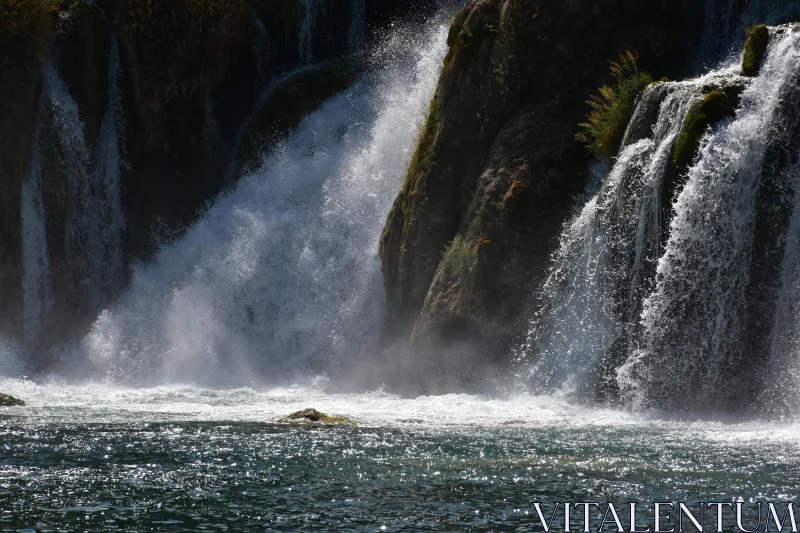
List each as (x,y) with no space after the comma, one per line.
(612,107)
(422,160)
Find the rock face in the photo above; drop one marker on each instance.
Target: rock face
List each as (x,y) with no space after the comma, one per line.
(497,165)
(10,401)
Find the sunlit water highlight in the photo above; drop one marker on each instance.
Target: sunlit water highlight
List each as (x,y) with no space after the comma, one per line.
(184,458)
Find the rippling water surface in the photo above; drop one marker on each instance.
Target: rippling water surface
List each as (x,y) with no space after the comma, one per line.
(94,458)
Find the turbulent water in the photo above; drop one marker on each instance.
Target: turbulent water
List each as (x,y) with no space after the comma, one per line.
(193,459)
(669,287)
(280,279)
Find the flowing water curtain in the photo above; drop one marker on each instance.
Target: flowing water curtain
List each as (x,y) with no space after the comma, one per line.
(722,32)
(85,187)
(305,48)
(261,52)
(280,279)
(358,24)
(36,281)
(70,171)
(108,263)
(694,324)
(779,389)
(601,269)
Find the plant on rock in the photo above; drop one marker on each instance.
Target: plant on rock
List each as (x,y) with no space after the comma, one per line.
(612,107)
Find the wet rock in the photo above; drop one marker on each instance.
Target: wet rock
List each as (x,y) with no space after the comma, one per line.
(754,50)
(10,401)
(313,416)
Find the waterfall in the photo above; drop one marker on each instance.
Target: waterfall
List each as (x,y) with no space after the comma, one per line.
(597,275)
(67,148)
(280,279)
(693,343)
(357,26)
(211,131)
(311,9)
(669,289)
(36,283)
(721,32)
(261,52)
(108,267)
(86,185)
(727,20)
(771,12)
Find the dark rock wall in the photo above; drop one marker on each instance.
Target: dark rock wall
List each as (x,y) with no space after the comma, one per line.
(475,223)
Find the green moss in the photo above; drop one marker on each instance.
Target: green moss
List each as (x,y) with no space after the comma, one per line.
(714,107)
(460,258)
(422,160)
(612,107)
(754,50)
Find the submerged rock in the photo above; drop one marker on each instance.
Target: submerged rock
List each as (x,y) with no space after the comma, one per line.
(313,416)
(9,401)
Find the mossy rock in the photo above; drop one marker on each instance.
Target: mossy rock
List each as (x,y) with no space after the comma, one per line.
(754,50)
(289,103)
(422,159)
(10,401)
(312,416)
(714,107)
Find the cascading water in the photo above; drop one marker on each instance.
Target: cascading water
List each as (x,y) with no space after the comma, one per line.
(36,283)
(311,9)
(261,52)
(92,262)
(671,317)
(280,279)
(108,267)
(726,22)
(721,32)
(770,12)
(358,15)
(65,138)
(694,323)
(598,273)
